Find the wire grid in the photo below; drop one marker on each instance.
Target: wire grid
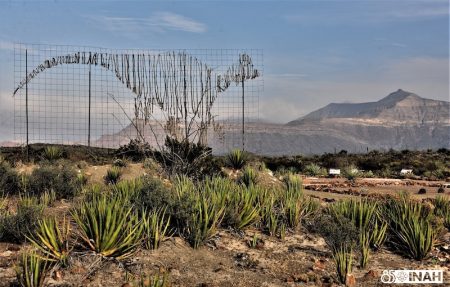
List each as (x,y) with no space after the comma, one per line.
(58,100)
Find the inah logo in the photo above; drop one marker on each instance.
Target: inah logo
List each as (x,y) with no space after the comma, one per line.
(412,276)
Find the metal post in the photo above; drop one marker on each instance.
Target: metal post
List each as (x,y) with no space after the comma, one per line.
(26,103)
(89,111)
(243,113)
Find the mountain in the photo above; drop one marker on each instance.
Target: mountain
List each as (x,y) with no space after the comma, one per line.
(400,106)
(402,120)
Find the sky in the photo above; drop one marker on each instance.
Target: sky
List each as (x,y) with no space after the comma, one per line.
(315,51)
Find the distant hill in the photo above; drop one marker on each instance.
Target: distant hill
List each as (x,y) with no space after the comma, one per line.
(402,120)
(400,106)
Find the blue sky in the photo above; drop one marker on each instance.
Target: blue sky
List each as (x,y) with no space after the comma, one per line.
(315,52)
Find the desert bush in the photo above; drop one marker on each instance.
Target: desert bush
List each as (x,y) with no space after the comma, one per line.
(33,270)
(52,153)
(52,239)
(337,231)
(113,175)
(60,179)
(351,172)
(14,227)
(151,194)
(155,227)
(237,159)
(135,150)
(422,191)
(186,158)
(412,229)
(108,227)
(119,163)
(313,169)
(441,190)
(249,177)
(9,179)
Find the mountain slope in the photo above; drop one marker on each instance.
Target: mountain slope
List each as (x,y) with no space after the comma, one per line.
(399,106)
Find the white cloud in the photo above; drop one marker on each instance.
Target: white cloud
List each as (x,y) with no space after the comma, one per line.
(158,22)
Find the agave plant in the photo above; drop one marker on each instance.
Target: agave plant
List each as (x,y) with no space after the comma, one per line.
(204,221)
(52,240)
(343,259)
(157,280)
(364,244)
(237,159)
(128,189)
(52,153)
(243,209)
(411,226)
(108,226)
(155,225)
(113,175)
(47,198)
(33,270)
(249,177)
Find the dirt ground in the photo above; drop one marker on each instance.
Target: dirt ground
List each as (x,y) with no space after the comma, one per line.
(301,259)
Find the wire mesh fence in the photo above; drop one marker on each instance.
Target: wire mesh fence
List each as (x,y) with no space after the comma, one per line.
(106,97)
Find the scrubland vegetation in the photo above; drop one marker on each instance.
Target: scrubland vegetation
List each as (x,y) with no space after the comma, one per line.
(116,218)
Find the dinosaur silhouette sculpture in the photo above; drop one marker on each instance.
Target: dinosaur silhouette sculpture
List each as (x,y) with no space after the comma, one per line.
(178,83)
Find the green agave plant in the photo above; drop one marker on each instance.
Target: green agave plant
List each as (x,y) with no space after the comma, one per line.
(411,226)
(108,226)
(113,175)
(243,209)
(204,221)
(364,244)
(33,270)
(237,159)
(249,177)
(343,259)
(52,153)
(52,240)
(155,226)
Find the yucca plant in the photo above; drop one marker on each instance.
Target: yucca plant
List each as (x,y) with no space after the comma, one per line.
(292,181)
(249,177)
(291,203)
(411,226)
(204,221)
(243,209)
(47,198)
(378,234)
(183,184)
(113,175)
(310,206)
(155,227)
(33,270)
(343,260)
(364,245)
(237,159)
(108,226)
(52,240)
(361,212)
(157,280)
(128,189)
(52,153)
(254,241)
